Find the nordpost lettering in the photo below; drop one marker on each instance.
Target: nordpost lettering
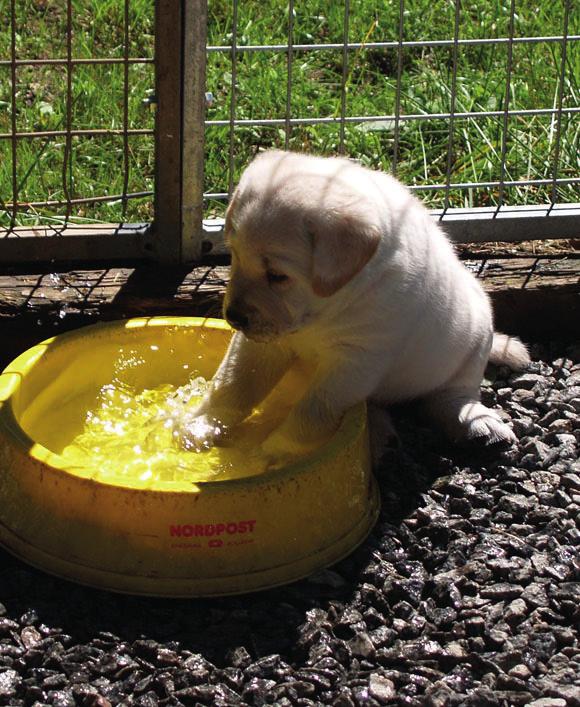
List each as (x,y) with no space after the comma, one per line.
(212,529)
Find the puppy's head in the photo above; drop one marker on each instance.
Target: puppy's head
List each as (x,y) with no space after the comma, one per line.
(298,234)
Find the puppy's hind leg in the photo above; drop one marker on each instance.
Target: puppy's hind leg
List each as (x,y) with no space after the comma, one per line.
(457,406)
(464,418)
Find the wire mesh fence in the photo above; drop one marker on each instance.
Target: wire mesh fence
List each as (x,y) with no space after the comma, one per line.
(481,111)
(76,143)
(474,105)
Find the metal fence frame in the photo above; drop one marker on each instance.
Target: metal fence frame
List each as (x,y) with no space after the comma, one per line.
(179,233)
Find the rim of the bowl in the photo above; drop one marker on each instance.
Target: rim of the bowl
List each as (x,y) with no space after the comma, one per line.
(350,426)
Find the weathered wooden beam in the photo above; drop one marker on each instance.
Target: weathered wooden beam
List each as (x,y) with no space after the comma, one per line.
(88,243)
(536,298)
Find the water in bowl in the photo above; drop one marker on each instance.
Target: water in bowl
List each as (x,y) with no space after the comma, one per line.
(133,435)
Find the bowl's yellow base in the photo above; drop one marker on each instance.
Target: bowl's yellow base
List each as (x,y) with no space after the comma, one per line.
(213,524)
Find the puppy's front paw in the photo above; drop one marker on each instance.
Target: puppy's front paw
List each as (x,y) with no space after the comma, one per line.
(199,433)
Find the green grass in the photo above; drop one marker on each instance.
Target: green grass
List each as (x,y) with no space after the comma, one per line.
(97,163)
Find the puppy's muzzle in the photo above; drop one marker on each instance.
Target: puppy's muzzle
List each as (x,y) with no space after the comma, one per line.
(237,318)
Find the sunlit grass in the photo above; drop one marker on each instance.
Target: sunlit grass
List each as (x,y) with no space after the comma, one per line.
(97,164)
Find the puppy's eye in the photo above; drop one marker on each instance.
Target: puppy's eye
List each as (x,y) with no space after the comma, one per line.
(275,278)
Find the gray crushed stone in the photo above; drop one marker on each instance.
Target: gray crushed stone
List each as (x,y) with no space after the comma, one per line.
(466,592)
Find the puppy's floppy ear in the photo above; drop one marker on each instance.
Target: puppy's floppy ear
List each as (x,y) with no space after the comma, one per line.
(343,243)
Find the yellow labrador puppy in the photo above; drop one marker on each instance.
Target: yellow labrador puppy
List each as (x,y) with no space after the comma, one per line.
(341,267)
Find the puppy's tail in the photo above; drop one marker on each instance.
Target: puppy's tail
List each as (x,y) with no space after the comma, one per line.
(509,351)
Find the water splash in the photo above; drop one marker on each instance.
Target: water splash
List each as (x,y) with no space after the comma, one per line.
(138,435)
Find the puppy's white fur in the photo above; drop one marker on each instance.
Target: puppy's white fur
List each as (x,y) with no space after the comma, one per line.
(340,267)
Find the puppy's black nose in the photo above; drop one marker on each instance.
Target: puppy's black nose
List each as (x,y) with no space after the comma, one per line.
(236,318)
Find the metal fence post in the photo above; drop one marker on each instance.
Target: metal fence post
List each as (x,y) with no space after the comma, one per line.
(180,59)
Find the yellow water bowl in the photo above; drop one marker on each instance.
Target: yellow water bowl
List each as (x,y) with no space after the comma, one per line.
(184,530)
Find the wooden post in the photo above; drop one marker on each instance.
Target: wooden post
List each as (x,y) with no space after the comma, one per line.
(180,58)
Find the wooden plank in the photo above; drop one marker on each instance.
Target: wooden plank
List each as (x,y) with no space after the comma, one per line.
(89,243)
(35,306)
(72,230)
(528,273)
(152,287)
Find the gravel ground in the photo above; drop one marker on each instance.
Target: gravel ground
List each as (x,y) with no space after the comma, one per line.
(464,594)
